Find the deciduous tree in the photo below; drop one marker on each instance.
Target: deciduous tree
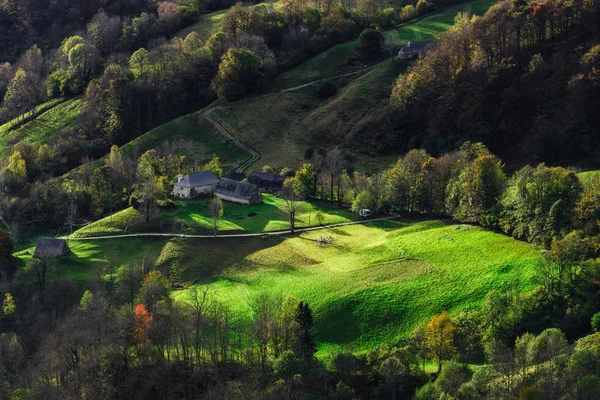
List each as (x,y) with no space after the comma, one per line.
(439,337)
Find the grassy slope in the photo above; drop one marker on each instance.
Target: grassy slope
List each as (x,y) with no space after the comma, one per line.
(283,126)
(373,285)
(210,23)
(190,127)
(433,27)
(587,176)
(60,116)
(38,110)
(193,216)
(376,283)
(207,25)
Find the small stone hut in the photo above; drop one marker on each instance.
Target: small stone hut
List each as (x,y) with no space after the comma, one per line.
(51,248)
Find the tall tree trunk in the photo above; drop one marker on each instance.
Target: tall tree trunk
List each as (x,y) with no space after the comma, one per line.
(331,198)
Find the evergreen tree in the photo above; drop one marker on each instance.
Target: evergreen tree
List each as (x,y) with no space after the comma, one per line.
(304,344)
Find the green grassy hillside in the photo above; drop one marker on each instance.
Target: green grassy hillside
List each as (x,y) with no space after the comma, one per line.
(211,23)
(374,284)
(194,217)
(207,25)
(59,117)
(434,26)
(284,125)
(587,176)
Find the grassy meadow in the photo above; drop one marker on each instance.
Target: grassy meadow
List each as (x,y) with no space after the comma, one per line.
(211,23)
(194,217)
(434,26)
(284,125)
(374,284)
(37,111)
(207,25)
(587,176)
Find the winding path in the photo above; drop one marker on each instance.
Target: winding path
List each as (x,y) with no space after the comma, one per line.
(226,130)
(234,235)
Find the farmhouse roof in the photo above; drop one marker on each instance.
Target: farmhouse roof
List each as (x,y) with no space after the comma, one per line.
(265,177)
(196,179)
(239,190)
(50,248)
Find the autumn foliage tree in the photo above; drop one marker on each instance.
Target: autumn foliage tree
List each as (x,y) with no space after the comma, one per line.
(439,338)
(142,321)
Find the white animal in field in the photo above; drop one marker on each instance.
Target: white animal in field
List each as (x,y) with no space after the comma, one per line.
(325,240)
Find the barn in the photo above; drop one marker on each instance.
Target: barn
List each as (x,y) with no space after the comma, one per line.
(267,182)
(51,248)
(195,184)
(238,192)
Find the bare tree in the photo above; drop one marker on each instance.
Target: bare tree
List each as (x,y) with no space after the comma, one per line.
(334,164)
(291,207)
(71,217)
(216,210)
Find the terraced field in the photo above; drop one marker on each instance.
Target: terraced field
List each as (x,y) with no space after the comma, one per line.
(59,117)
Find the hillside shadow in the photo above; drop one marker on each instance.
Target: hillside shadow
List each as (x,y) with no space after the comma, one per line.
(338,322)
(206,260)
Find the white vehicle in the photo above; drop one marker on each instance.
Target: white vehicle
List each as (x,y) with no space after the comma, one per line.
(364,213)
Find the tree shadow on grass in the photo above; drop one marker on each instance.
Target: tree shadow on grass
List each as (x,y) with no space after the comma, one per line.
(337,323)
(206,259)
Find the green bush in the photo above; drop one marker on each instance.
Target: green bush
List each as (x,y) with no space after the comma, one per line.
(371,42)
(596,322)
(326,90)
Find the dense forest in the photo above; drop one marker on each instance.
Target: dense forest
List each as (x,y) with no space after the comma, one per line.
(523,79)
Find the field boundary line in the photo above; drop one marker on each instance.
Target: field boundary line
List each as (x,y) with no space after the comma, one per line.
(234,235)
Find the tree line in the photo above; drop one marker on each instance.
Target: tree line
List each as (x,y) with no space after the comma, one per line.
(538,204)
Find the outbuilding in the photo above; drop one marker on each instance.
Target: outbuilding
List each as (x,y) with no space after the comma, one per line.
(267,182)
(416,47)
(238,192)
(51,248)
(195,184)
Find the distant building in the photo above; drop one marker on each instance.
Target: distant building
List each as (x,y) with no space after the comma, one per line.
(195,184)
(267,182)
(51,248)
(238,192)
(416,47)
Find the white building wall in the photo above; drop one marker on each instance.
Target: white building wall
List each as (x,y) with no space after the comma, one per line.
(184,192)
(181,192)
(232,199)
